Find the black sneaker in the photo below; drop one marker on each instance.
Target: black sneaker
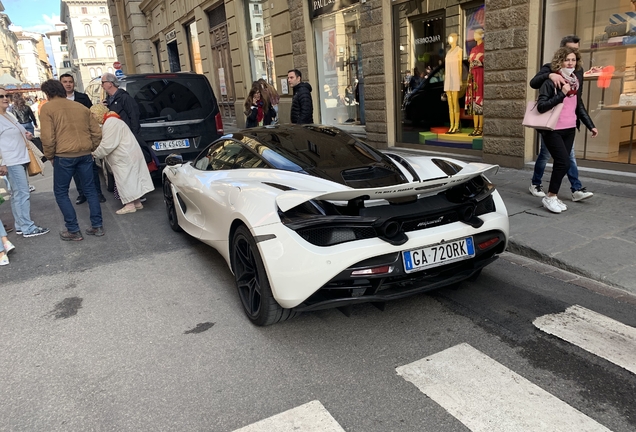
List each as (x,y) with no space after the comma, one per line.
(96,231)
(71,236)
(80,199)
(102,199)
(38,231)
(18,232)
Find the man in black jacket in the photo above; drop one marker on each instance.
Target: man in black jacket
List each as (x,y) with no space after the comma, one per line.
(578,191)
(302,109)
(68,82)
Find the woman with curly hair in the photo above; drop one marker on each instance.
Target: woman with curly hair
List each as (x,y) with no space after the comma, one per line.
(560,141)
(269,94)
(23,113)
(257,111)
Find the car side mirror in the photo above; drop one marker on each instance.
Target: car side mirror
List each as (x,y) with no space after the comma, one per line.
(174,159)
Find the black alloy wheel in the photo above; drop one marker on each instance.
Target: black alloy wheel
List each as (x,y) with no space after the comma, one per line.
(168,198)
(252,282)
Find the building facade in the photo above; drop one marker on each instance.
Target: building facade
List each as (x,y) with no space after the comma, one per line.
(89,39)
(9,57)
(360,57)
(60,50)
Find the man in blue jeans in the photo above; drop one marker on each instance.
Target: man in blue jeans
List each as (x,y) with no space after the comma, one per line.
(578,191)
(69,135)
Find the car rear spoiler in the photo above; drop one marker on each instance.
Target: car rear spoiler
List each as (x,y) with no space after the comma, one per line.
(290,199)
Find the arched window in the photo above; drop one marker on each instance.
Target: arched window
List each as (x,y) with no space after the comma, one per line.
(109,51)
(99,71)
(106,29)
(110,70)
(87,30)
(92,72)
(91,52)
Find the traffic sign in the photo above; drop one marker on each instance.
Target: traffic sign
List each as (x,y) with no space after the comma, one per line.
(119,73)
(117,65)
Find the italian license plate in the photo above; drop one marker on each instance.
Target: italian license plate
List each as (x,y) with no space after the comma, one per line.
(172,144)
(433,256)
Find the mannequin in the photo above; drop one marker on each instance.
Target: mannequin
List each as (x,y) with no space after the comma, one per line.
(453,82)
(475,87)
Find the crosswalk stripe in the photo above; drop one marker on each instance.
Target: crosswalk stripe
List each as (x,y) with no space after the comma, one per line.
(595,333)
(310,417)
(488,397)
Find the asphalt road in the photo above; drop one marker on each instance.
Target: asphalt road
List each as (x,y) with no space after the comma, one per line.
(142,329)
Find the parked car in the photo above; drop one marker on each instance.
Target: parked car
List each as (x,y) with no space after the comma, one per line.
(178,112)
(309,217)
(424,106)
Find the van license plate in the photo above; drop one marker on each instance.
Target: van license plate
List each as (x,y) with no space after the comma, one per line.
(434,256)
(172,144)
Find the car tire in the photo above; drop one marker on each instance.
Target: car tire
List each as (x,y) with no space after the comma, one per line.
(252,283)
(171,209)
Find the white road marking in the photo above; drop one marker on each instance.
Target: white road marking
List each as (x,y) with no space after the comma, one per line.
(595,333)
(310,417)
(488,397)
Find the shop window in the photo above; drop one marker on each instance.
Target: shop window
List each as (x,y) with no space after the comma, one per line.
(194,47)
(339,61)
(608,51)
(260,43)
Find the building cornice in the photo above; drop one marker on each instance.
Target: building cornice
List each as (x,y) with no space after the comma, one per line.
(148,5)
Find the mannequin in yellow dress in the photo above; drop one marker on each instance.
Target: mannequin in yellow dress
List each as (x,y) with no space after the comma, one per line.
(453,82)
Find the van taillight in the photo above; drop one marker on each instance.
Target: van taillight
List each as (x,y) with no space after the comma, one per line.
(219,124)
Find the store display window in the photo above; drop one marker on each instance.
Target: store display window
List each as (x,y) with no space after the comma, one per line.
(339,60)
(260,41)
(607,31)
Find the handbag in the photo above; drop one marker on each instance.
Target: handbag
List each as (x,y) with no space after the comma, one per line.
(35,165)
(615,30)
(536,120)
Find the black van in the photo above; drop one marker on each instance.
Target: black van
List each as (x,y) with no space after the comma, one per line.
(178,111)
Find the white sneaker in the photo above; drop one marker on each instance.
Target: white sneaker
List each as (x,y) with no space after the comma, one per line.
(581,194)
(8,247)
(552,204)
(537,190)
(562,205)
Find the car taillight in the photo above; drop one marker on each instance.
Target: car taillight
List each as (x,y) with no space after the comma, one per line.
(486,244)
(219,124)
(373,271)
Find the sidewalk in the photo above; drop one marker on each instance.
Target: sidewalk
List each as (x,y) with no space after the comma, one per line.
(595,238)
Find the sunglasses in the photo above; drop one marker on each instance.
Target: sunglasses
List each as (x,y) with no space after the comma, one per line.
(5,96)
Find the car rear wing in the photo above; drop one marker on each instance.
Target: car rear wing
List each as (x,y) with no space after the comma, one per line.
(290,199)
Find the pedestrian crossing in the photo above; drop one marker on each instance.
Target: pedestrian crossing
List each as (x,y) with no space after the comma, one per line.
(485,395)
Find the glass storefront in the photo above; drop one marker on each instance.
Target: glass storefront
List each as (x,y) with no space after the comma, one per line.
(436,109)
(608,48)
(260,41)
(339,64)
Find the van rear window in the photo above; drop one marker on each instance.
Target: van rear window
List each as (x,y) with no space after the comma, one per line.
(172,99)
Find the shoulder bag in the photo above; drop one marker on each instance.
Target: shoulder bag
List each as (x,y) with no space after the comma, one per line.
(546,121)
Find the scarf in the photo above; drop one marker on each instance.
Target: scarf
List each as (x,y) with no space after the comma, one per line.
(572,80)
(111,114)
(260,114)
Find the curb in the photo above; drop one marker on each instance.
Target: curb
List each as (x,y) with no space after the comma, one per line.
(528,252)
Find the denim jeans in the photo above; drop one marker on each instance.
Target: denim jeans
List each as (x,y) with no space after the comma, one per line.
(542,160)
(20,199)
(63,171)
(28,126)
(3,232)
(78,182)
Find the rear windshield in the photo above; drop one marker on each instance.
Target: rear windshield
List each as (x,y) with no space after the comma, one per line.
(172,99)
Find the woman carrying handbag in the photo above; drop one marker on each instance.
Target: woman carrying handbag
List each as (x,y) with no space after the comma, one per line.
(560,140)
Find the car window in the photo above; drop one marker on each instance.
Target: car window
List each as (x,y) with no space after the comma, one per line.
(171,99)
(248,159)
(220,156)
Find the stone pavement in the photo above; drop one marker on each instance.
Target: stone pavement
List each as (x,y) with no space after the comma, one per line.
(595,238)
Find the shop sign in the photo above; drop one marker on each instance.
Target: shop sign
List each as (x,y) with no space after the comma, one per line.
(322,7)
(170,36)
(428,40)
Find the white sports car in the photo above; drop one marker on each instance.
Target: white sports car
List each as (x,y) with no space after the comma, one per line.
(309,217)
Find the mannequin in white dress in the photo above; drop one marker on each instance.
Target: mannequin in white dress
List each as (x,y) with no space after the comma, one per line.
(453,81)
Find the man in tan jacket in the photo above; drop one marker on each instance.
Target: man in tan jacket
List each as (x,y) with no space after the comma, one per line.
(69,134)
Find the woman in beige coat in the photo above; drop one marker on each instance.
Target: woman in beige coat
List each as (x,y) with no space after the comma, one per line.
(120,148)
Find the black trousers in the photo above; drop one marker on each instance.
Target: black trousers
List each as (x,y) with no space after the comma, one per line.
(559,143)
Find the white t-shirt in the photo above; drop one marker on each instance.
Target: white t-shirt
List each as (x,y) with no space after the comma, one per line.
(71,97)
(12,141)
